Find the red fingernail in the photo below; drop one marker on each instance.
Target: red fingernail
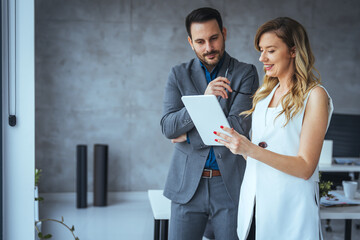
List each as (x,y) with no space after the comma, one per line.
(215,132)
(221,126)
(216,140)
(232,128)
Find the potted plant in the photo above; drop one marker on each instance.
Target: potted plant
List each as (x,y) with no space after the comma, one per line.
(324,187)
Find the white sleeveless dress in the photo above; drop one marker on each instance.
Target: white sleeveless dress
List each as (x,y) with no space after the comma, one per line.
(287,207)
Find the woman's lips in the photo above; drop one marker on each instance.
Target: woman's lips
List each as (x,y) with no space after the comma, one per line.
(268,67)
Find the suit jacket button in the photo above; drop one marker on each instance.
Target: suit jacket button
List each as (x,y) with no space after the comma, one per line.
(219,155)
(263,144)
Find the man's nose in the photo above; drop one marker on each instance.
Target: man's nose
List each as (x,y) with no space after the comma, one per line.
(209,47)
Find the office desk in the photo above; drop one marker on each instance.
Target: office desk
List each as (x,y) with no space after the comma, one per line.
(348,213)
(161,208)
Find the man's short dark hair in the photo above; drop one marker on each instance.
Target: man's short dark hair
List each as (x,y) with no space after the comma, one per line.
(202,15)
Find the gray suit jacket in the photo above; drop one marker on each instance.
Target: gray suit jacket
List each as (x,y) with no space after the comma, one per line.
(188,160)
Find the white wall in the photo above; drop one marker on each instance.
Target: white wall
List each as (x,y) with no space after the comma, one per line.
(19,156)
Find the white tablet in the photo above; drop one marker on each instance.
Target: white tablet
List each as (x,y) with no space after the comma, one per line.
(206,113)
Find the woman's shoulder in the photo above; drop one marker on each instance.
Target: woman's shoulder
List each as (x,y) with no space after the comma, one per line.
(318,93)
(320,102)
(320,98)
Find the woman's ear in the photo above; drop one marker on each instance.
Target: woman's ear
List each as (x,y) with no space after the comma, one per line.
(293,52)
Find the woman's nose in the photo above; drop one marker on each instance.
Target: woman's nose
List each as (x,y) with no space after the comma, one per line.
(262,57)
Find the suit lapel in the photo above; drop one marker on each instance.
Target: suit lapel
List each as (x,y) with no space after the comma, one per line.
(225,66)
(221,73)
(198,77)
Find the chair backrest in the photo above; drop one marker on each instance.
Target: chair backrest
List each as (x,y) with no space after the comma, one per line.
(344,130)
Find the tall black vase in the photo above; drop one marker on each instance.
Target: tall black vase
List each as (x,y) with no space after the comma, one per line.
(100,174)
(81,176)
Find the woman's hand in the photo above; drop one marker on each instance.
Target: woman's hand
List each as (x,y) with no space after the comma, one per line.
(236,143)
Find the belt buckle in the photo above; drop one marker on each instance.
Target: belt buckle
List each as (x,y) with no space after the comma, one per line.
(208,170)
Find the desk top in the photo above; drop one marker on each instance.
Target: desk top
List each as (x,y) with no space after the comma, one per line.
(341,212)
(160,205)
(339,168)
(348,212)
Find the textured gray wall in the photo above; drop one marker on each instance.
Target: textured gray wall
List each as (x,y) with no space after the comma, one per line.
(101,67)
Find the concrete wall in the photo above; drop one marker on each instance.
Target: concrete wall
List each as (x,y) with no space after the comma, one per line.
(101,67)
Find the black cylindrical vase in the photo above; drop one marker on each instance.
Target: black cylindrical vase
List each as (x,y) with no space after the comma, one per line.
(100,174)
(81,176)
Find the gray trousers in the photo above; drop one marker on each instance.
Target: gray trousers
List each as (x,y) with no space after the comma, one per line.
(211,201)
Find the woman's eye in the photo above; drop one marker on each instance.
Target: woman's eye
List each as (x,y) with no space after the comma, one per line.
(271,51)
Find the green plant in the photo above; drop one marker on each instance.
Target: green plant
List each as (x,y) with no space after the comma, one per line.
(40,234)
(37,176)
(324,187)
(48,236)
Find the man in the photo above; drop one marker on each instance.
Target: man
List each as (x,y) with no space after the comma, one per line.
(204,182)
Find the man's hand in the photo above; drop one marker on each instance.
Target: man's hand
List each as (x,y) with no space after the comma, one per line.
(218,87)
(181,138)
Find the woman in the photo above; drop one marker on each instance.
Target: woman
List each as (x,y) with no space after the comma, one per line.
(290,116)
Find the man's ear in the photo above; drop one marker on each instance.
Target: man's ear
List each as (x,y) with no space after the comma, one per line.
(224,32)
(190,42)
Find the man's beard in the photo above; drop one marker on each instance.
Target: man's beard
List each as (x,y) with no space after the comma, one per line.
(212,64)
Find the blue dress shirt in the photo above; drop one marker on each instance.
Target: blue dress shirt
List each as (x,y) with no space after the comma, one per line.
(211,160)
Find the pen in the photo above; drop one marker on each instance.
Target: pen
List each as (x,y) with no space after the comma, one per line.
(226,73)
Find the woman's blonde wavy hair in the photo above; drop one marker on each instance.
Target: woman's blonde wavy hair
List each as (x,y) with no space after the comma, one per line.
(293,35)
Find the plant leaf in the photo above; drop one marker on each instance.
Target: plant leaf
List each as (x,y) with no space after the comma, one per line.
(40,235)
(72,228)
(62,219)
(39,199)
(48,236)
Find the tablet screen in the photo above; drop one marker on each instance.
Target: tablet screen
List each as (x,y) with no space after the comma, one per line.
(207,115)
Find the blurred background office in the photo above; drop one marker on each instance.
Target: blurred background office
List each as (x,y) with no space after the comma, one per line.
(100,71)
(101,67)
